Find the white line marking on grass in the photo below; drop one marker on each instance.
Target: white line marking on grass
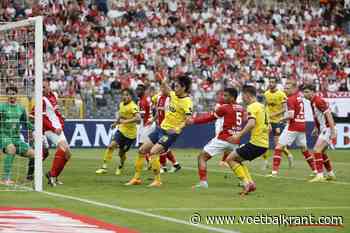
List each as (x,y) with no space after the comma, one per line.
(9,190)
(248,208)
(139,212)
(262,175)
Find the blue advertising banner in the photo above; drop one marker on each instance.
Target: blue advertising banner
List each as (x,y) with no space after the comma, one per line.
(97,133)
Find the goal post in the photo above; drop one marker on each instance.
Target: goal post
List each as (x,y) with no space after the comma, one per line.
(14,28)
(38,92)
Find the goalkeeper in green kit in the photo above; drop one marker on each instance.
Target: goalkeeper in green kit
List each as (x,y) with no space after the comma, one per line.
(12,117)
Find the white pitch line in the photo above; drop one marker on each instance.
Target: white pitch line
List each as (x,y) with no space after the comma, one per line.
(249,209)
(16,190)
(139,212)
(262,175)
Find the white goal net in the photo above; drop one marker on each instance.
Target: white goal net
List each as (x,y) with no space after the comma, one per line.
(21,67)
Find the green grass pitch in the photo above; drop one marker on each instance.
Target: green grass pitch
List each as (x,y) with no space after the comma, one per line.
(290,194)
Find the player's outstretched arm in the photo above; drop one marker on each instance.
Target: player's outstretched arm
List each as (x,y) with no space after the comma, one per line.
(203,118)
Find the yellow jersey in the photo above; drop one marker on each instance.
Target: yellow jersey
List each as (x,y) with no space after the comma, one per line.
(176,112)
(275,103)
(128,111)
(259,136)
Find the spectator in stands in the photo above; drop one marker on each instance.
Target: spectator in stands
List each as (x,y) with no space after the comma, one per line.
(222,43)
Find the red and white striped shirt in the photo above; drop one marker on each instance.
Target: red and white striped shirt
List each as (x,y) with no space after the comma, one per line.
(145,110)
(319,108)
(52,118)
(161,103)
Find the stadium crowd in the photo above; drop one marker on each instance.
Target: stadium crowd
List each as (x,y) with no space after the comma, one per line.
(99,47)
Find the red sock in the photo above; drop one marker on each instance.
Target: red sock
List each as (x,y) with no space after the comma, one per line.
(58,163)
(62,167)
(202,172)
(171,157)
(327,163)
(162,159)
(318,162)
(310,160)
(224,157)
(276,160)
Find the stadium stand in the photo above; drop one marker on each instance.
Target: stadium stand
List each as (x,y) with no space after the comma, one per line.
(93,49)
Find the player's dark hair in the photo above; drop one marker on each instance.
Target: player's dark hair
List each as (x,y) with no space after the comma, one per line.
(232,92)
(249,89)
(11,88)
(310,87)
(185,81)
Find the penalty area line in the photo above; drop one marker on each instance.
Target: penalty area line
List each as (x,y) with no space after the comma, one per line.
(139,212)
(262,175)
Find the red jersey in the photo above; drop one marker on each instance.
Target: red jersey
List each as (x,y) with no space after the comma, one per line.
(161,103)
(319,108)
(52,118)
(145,110)
(295,104)
(233,115)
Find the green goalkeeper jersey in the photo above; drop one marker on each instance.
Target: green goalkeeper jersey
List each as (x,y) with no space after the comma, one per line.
(12,116)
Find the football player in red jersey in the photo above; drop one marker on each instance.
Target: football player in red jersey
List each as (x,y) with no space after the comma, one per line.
(53,125)
(295,129)
(326,131)
(233,115)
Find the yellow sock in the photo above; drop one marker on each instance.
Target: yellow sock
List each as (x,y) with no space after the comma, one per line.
(108,155)
(138,166)
(156,167)
(285,151)
(240,172)
(247,174)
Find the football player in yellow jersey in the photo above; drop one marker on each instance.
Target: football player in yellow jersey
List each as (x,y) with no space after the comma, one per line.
(258,126)
(176,115)
(275,100)
(125,136)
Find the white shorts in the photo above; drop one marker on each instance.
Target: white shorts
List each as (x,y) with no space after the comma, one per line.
(288,137)
(325,135)
(217,146)
(143,132)
(54,138)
